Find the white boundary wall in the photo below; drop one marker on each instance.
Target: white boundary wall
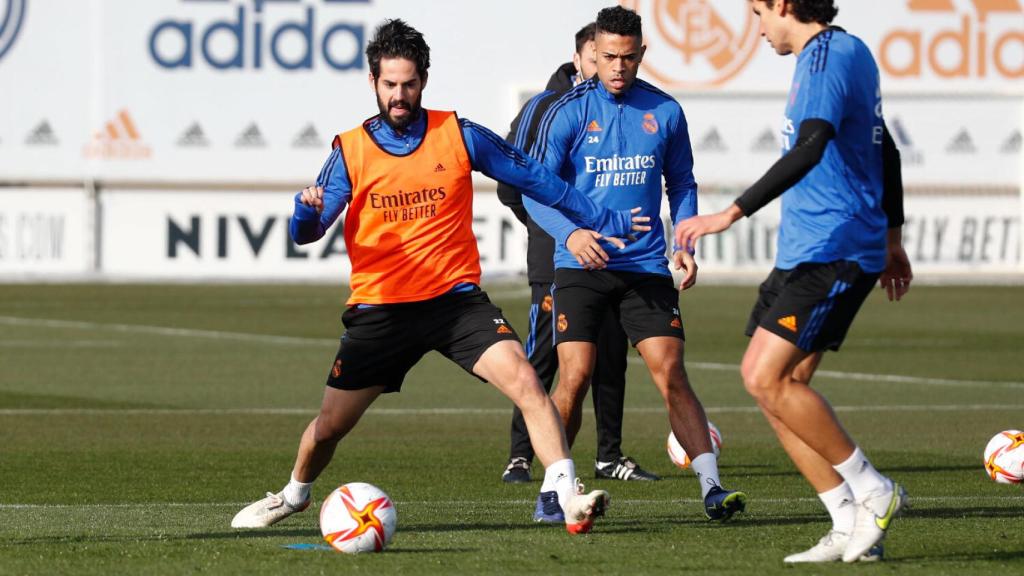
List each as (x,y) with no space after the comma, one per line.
(197,235)
(155,108)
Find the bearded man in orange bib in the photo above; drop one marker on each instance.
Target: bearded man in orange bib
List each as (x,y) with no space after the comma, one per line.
(405,176)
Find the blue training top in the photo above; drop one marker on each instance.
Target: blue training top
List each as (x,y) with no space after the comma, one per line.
(616,150)
(835,212)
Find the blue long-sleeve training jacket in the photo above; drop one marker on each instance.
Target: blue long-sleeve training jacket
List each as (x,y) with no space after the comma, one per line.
(616,150)
(488,153)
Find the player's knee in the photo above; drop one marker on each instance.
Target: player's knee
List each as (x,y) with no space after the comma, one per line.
(525,389)
(572,377)
(760,385)
(328,432)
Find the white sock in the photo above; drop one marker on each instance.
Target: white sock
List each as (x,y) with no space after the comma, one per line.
(296,492)
(706,468)
(560,477)
(839,503)
(862,477)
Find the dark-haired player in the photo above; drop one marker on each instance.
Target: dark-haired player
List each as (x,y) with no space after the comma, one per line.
(609,380)
(616,137)
(842,213)
(405,176)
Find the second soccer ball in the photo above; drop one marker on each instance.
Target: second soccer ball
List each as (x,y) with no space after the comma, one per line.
(1004,457)
(679,456)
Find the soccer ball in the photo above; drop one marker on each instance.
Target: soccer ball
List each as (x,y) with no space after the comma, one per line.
(1004,457)
(679,456)
(358,517)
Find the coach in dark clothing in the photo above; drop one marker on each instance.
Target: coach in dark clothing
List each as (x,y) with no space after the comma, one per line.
(609,381)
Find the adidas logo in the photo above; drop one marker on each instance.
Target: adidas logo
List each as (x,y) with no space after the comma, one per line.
(766,142)
(594,126)
(962,143)
(712,142)
(251,138)
(42,135)
(308,138)
(439,167)
(1012,144)
(119,139)
(899,133)
(193,137)
(788,322)
(908,153)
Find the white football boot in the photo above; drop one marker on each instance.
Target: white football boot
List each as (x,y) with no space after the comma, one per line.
(874,514)
(267,512)
(830,549)
(582,508)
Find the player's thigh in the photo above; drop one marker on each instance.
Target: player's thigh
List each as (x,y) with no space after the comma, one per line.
(813,305)
(378,348)
(464,326)
(582,298)
(650,308)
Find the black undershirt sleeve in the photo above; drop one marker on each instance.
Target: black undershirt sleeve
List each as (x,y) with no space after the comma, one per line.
(811,141)
(892,181)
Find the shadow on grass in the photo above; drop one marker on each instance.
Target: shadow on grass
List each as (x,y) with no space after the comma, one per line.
(929,469)
(964,512)
(959,557)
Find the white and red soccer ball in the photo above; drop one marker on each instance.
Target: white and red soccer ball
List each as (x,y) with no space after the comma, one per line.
(679,456)
(358,517)
(1004,457)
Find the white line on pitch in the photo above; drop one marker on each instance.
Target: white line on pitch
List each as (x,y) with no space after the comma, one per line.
(166,331)
(299,341)
(482,503)
(465,411)
(861,376)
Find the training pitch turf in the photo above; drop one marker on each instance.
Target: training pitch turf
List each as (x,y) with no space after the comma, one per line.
(136,420)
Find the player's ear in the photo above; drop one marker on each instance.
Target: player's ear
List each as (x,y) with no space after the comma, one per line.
(577,63)
(373,83)
(423,80)
(643,50)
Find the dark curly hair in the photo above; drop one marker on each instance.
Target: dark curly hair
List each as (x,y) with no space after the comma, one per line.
(620,21)
(396,39)
(807,11)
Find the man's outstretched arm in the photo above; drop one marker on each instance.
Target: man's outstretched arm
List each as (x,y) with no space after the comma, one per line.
(495,158)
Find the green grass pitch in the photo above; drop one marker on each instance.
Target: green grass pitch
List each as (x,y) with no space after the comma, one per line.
(136,420)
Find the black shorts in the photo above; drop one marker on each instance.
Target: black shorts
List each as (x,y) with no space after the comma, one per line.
(812,305)
(646,305)
(382,343)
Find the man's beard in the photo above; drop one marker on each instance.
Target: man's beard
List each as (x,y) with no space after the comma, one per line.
(399,124)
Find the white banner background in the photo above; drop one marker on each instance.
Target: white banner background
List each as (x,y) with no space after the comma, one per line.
(253,90)
(45,231)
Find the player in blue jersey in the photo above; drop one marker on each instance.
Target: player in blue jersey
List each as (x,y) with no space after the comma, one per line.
(842,213)
(609,381)
(615,137)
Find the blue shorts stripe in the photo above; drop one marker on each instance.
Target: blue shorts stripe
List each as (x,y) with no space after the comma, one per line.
(819,315)
(531,340)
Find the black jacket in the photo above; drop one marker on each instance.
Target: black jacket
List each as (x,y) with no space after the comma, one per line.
(540,266)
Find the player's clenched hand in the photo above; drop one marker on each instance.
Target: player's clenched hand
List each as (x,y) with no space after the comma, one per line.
(684,261)
(584,246)
(897,274)
(314,196)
